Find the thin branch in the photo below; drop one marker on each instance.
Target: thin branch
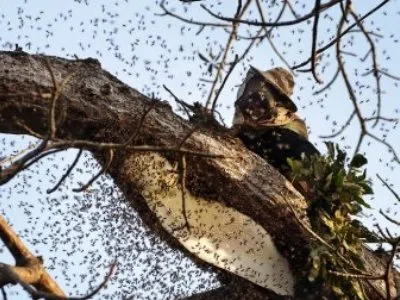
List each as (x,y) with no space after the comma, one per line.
(29,130)
(233,65)
(10,158)
(66,174)
(57,90)
(143,148)
(182,183)
(329,84)
(186,137)
(182,103)
(346,124)
(189,21)
(389,75)
(101,172)
(182,178)
(389,269)
(59,145)
(268,32)
(389,218)
(314,41)
(282,23)
(307,228)
(357,276)
(42,154)
(221,65)
(349,88)
(381,119)
(140,123)
(19,165)
(238,8)
(396,195)
(369,32)
(389,146)
(383,235)
(294,13)
(343,33)
(374,63)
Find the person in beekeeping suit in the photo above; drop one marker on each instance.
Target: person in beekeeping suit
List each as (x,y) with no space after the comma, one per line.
(266,121)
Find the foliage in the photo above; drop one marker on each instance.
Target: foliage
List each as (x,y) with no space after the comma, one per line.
(334,194)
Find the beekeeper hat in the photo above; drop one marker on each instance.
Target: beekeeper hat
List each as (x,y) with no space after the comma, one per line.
(280,79)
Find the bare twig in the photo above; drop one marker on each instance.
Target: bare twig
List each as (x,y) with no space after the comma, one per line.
(141,121)
(189,21)
(289,4)
(187,136)
(307,228)
(277,24)
(229,42)
(57,90)
(389,218)
(396,195)
(374,63)
(343,33)
(233,65)
(268,32)
(384,72)
(70,168)
(19,165)
(182,103)
(357,276)
(389,146)
(347,82)
(340,131)
(182,183)
(329,84)
(101,172)
(389,265)
(314,41)
(9,159)
(29,130)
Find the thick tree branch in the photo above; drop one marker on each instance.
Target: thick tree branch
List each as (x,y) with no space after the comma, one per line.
(241,180)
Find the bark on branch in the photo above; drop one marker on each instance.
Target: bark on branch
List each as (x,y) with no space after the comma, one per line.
(95,106)
(29,268)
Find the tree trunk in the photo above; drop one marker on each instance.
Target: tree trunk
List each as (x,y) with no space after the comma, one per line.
(95,106)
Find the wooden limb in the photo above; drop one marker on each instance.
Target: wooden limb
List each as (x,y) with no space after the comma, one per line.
(30,268)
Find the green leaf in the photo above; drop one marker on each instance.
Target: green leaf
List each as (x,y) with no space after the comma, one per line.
(352,188)
(362,202)
(328,181)
(367,190)
(295,165)
(339,178)
(318,169)
(358,161)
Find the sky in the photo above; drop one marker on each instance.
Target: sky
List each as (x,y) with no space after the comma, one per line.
(147,51)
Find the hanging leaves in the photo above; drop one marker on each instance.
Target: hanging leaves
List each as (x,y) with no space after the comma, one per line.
(337,198)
